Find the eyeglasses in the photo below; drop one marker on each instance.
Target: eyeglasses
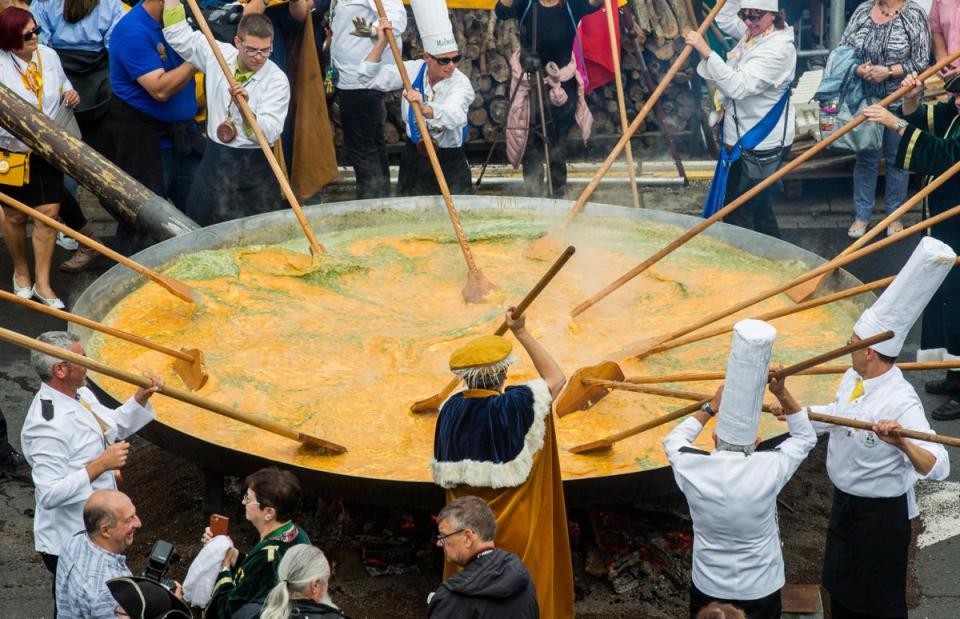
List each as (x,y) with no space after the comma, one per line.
(753,16)
(442,538)
(246,500)
(253,52)
(29,34)
(445,61)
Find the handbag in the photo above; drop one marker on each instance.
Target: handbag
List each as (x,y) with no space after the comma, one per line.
(14,169)
(757,165)
(867,135)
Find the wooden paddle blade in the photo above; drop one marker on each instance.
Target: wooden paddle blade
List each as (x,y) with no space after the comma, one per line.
(802,292)
(429,405)
(477,287)
(194,374)
(178,288)
(546,247)
(319,444)
(592,448)
(580,397)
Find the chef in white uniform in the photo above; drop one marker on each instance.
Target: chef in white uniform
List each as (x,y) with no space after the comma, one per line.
(70,441)
(732,492)
(444,94)
(873,473)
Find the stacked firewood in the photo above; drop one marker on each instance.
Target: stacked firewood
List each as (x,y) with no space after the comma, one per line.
(487,43)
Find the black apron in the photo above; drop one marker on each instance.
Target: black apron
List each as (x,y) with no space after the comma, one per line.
(865,565)
(232,183)
(418,179)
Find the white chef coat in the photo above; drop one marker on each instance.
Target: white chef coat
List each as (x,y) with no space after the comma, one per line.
(755,76)
(449,99)
(55,83)
(733,504)
(269,88)
(58,451)
(858,462)
(347,51)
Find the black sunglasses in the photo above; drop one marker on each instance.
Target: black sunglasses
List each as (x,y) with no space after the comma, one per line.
(29,34)
(750,16)
(445,61)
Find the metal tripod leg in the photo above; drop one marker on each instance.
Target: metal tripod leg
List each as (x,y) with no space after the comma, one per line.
(543,133)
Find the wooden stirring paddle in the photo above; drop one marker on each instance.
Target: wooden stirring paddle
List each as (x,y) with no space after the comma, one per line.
(188,364)
(433,403)
(259,421)
(177,288)
(606,443)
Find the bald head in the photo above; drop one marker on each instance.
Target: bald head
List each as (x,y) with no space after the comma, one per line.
(110,520)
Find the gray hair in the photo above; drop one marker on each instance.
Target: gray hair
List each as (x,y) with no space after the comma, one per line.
(301,565)
(471,512)
(746,450)
(43,363)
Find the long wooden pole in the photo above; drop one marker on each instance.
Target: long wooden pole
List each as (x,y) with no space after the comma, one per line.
(749,194)
(907,366)
(547,245)
(433,403)
(609,8)
(11,337)
(175,287)
(643,348)
(251,121)
(477,284)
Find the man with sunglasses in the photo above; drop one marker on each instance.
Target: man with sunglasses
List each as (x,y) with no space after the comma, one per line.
(74,444)
(444,95)
(493,583)
(234,179)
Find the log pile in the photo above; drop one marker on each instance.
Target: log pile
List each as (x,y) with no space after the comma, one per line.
(487,43)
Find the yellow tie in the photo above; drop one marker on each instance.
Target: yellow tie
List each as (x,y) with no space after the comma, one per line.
(857,391)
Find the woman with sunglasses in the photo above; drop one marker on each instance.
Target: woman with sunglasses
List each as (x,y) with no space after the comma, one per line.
(753,91)
(34,72)
(892,38)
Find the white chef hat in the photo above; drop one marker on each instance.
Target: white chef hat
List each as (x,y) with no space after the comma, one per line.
(433,24)
(746,380)
(761,5)
(904,299)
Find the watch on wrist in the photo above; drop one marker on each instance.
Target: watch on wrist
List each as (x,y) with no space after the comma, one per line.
(890,70)
(708,409)
(902,124)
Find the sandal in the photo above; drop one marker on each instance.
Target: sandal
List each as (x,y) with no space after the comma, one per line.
(24,292)
(54,302)
(857,229)
(894,228)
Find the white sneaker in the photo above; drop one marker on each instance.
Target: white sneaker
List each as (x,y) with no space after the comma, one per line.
(66,242)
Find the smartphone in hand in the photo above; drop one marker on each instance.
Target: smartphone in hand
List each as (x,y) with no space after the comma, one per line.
(219,525)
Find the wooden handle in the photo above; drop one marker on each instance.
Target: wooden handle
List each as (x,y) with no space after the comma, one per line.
(431,152)
(538,287)
(863,425)
(269,425)
(177,288)
(640,117)
(660,391)
(251,121)
(659,421)
(833,354)
(91,324)
(910,366)
(750,193)
(609,9)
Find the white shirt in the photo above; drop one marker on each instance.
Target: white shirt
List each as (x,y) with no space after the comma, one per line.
(861,464)
(83,570)
(755,76)
(55,83)
(347,51)
(449,99)
(269,88)
(59,449)
(733,504)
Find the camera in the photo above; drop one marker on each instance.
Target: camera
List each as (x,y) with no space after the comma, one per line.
(162,556)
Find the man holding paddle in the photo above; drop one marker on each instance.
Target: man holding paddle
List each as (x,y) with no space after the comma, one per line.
(732,492)
(873,472)
(235,179)
(499,444)
(73,443)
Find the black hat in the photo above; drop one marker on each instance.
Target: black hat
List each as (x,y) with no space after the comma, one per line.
(144,598)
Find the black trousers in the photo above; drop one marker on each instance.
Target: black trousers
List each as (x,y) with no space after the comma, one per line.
(50,562)
(361,117)
(5,448)
(560,118)
(763,608)
(757,213)
(417,177)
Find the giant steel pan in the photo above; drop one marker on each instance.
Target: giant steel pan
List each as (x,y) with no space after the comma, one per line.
(97,300)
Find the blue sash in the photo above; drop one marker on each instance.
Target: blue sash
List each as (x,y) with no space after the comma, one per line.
(749,140)
(415,136)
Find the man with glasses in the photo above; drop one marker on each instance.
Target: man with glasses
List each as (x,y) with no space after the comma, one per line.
(444,95)
(493,583)
(234,179)
(73,443)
